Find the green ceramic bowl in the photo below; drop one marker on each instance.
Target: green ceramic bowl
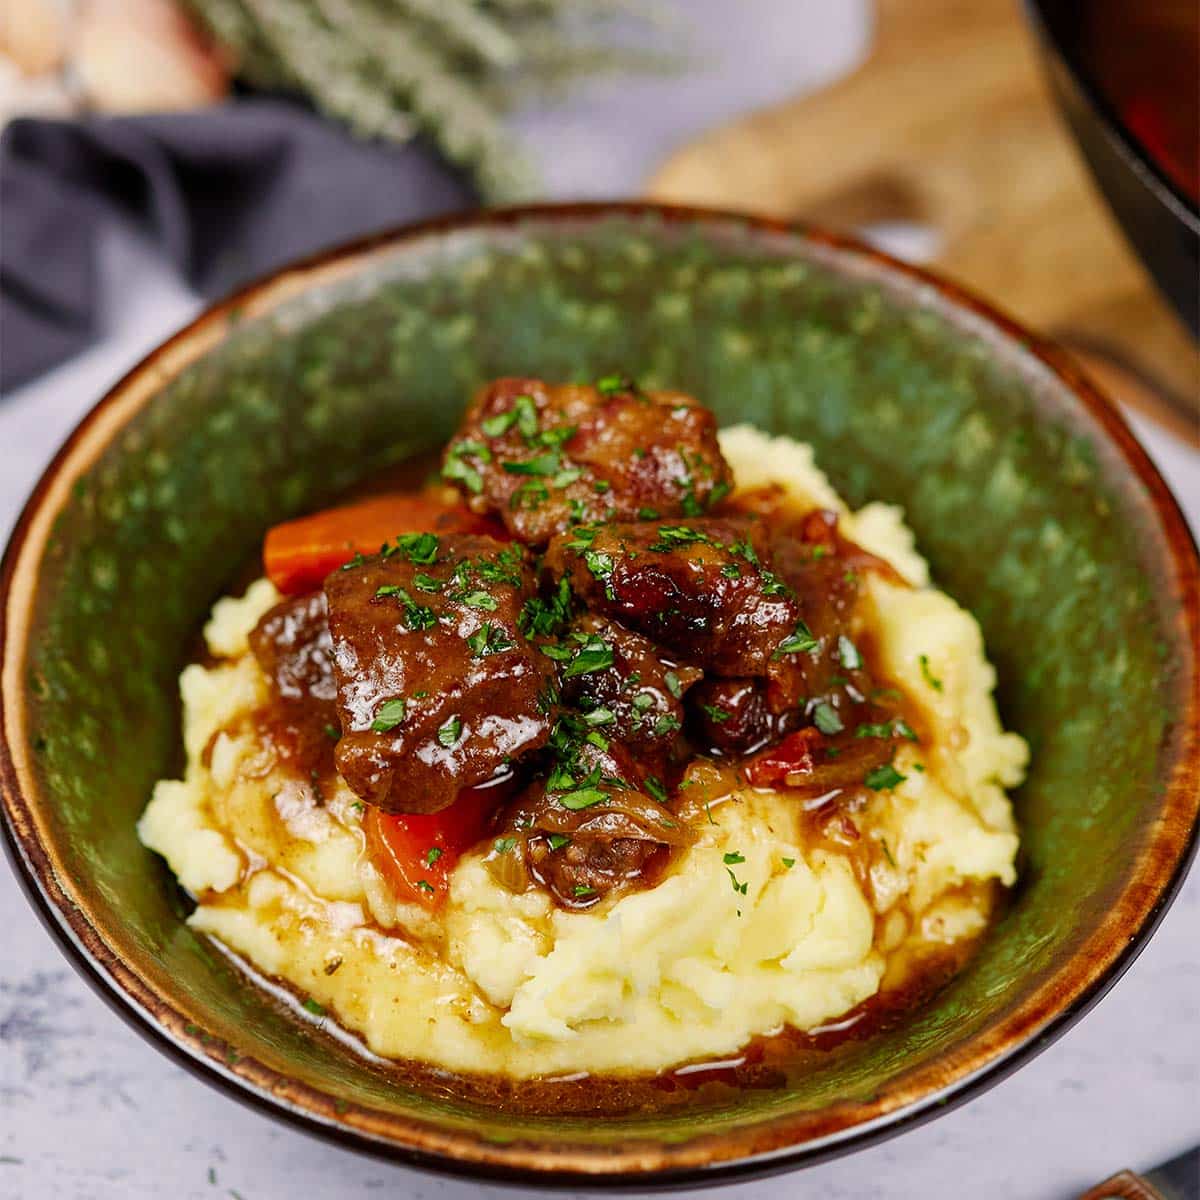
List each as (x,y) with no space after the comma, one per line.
(1035,505)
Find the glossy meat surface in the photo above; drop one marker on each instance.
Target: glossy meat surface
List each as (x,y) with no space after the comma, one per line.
(544,456)
(437,688)
(732,717)
(702,588)
(636,697)
(593,825)
(291,642)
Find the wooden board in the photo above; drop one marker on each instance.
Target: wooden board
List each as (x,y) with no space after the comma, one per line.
(948,124)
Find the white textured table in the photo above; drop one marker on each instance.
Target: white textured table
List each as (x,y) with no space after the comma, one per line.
(89,1110)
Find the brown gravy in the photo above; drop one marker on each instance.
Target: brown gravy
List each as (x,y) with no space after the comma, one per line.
(774,1062)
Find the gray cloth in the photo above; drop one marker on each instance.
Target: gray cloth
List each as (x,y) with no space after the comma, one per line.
(228,193)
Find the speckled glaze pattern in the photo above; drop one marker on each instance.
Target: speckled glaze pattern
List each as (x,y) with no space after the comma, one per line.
(1034,506)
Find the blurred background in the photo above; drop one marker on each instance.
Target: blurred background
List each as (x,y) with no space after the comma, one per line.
(1045,153)
(158,153)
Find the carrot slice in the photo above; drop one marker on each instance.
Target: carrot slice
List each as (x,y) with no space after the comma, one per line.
(416,852)
(297,555)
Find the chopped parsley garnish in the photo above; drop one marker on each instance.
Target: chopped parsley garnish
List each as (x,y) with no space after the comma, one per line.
(419,548)
(543,464)
(867,730)
(425,885)
(595,654)
(581,890)
(480,599)
(489,639)
(896,728)
(931,679)
(610,385)
(883,778)
(525,411)
(600,716)
(558,841)
(416,616)
(848,654)
(457,469)
(647,514)
(555,651)
(599,563)
(643,701)
(665,724)
(716,713)
(733,858)
(546,618)
(566,477)
(503,567)
(332,732)
(450,732)
(356,560)
(500,424)
(671,537)
(746,551)
(718,493)
(583,797)
(740,888)
(582,536)
(390,714)
(772,585)
(788,862)
(529,495)
(432,855)
(504,845)
(655,788)
(557,435)
(673,684)
(826,718)
(799,641)
(313,1007)
(731,571)
(427,583)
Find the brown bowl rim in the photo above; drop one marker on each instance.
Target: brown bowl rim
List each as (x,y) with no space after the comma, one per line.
(773,1145)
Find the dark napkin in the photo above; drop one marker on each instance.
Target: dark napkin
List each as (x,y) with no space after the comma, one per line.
(227,193)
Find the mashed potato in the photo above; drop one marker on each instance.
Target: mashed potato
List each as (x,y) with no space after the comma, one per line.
(753,928)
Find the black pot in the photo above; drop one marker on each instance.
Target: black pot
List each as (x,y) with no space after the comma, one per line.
(1158,218)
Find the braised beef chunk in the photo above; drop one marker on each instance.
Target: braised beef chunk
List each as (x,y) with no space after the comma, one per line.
(436,685)
(292,645)
(589,869)
(623,684)
(731,717)
(545,456)
(592,827)
(703,589)
(826,571)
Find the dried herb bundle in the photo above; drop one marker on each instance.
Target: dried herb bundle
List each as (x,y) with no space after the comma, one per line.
(447,68)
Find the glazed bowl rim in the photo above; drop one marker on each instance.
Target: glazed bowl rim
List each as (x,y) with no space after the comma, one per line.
(741,1153)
